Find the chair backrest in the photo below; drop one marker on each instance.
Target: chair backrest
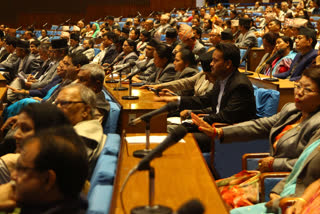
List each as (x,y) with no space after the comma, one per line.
(267,101)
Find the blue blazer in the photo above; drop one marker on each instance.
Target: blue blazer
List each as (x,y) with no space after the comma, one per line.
(303,64)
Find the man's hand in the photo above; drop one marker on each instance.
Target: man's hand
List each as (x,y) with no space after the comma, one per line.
(149,86)
(37,98)
(166,99)
(31,78)
(185,114)
(10,121)
(16,91)
(166,92)
(205,127)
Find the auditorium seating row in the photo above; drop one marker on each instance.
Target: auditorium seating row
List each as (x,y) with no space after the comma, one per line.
(101,183)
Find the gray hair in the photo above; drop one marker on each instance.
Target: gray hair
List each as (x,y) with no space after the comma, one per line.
(86,94)
(96,73)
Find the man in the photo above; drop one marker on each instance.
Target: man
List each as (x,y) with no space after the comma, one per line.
(78,103)
(34,45)
(148,26)
(3,52)
(111,25)
(187,37)
(231,99)
(49,175)
(274,26)
(305,43)
(214,38)
(92,76)
(146,66)
(12,60)
(74,44)
(28,62)
(258,8)
(136,23)
(109,52)
(285,8)
(246,38)
(172,37)
(221,11)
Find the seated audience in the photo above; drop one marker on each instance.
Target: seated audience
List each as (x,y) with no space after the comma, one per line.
(75,46)
(88,49)
(283,62)
(305,43)
(44,36)
(246,38)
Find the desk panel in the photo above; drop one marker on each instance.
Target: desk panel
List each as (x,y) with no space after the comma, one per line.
(284,86)
(131,109)
(181,174)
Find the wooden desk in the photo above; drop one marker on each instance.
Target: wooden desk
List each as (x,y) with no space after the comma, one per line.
(180,175)
(131,109)
(284,86)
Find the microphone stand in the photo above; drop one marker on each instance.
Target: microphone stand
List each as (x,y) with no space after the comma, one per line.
(246,67)
(120,88)
(151,208)
(130,97)
(143,152)
(111,80)
(271,79)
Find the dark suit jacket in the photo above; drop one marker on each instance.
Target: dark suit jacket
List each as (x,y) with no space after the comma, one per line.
(162,75)
(237,103)
(289,146)
(303,64)
(110,54)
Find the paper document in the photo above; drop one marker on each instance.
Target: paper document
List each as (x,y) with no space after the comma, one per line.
(153,139)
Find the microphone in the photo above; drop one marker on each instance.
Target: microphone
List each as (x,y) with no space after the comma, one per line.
(151,13)
(122,67)
(139,14)
(116,60)
(19,28)
(277,54)
(170,107)
(82,19)
(191,207)
(136,72)
(172,10)
(174,137)
(246,53)
(68,20)
(98,20)
(45,24)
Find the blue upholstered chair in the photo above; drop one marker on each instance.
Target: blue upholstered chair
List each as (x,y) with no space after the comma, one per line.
(225,158)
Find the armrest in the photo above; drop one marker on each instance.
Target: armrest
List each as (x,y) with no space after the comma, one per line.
(247,156)
(267,175)
(287,202)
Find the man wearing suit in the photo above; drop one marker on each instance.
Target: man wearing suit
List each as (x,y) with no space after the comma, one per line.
(3,52)
(187,37)
(109,52)
(305,43)
(231,99)
(75,47)
(12,61)
(246,38)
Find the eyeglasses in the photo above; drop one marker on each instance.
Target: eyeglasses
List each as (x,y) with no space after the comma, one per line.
(64,103)
(305,90)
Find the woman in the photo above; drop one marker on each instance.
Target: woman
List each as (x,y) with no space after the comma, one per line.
(290,131)
(44,36)
(282,63)
(269,42)
(185,65)
(31,120)
(164,68)
(128,54)
(96,30)
(144,39)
